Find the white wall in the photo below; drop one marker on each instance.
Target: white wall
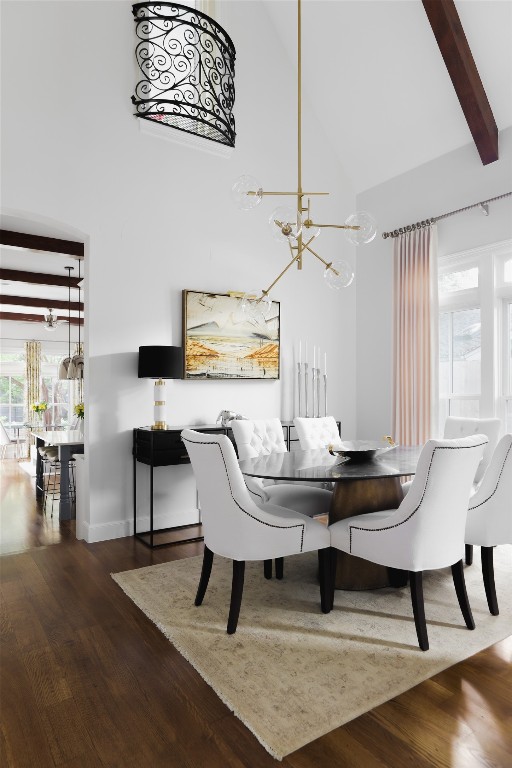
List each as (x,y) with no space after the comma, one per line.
(453,181)
(156,218)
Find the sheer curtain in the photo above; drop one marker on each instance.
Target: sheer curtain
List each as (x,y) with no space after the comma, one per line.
(33,375)
(415,328)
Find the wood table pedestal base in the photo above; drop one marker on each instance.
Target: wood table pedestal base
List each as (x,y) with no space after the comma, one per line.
(357,497)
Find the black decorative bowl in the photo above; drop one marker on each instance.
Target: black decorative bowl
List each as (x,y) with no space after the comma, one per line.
(359,451)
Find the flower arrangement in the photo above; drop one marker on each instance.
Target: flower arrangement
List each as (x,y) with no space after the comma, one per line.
(39,407)
(79,410)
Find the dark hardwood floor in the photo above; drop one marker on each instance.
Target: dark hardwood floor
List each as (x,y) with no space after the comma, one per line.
(87,680)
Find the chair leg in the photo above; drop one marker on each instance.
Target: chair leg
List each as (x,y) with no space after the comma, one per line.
(333,562)
(54,481)
(279,567)
(488,574)
(469,554)
(462,595)
(237,587)
(418,608)
(267,569)
(205,575)
(324,567)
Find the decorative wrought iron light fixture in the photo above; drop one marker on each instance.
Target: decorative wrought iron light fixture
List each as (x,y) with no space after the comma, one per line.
(293,224)
(187,63)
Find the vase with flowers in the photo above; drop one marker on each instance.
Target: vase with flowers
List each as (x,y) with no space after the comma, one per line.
(39,410)
(79,412)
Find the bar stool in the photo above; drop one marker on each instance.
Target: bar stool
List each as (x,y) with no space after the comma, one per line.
(51,486)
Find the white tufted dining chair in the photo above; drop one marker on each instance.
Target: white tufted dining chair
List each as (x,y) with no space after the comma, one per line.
(427,530)
(237,528)
(317,432)
(262,437)
(456,426)
(489,521)
(258,437)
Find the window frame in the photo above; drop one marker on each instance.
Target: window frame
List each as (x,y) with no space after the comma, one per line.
(492,296)
(11,374)
(49,370)
(504,299)
(453,396)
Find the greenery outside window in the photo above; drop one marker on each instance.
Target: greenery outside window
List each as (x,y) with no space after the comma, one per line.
(12,399)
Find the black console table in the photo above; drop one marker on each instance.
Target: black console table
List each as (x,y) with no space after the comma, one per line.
(164,448)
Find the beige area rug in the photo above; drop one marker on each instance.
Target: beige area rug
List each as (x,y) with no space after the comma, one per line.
(291,673)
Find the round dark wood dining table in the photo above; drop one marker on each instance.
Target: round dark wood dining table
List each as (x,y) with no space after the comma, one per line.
(359,487)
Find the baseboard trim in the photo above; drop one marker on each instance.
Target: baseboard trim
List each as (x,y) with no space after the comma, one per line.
(106,531)
(121,528)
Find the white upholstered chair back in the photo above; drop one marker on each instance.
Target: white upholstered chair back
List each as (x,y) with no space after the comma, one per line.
(489,521)
(4,437)
(5,440)
(317,432)
(456,426)
(234,526)
(427,529)
(258,437)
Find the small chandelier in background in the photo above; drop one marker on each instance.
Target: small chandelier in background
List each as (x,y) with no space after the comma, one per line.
(76,363)
(64,363)
(293,224)
(50,321)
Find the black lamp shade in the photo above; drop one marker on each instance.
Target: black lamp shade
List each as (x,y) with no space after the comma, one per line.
(160,363)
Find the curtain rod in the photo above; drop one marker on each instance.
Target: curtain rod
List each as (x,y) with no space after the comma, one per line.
(433,220)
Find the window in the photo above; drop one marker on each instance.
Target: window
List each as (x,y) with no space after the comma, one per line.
(507,355)
(56,394)
(60,395)
(458,281)
(459,363)
(12,399)
(475,334)
(505,293)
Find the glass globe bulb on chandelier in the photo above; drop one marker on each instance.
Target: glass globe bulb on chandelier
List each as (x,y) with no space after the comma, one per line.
(255,308)
(293,224)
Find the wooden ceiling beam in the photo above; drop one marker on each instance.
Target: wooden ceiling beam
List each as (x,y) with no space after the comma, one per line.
(18,316)
(18,276)
(23,301)
(455,50)
(41,243)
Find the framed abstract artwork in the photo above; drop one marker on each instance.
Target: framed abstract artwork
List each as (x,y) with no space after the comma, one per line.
(222,341)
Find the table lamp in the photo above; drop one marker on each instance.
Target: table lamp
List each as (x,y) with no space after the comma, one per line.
(160,363)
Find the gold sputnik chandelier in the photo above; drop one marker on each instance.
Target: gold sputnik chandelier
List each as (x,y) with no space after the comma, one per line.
(293,224)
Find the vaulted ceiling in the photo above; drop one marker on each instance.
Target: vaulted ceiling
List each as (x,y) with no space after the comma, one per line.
(374,76)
